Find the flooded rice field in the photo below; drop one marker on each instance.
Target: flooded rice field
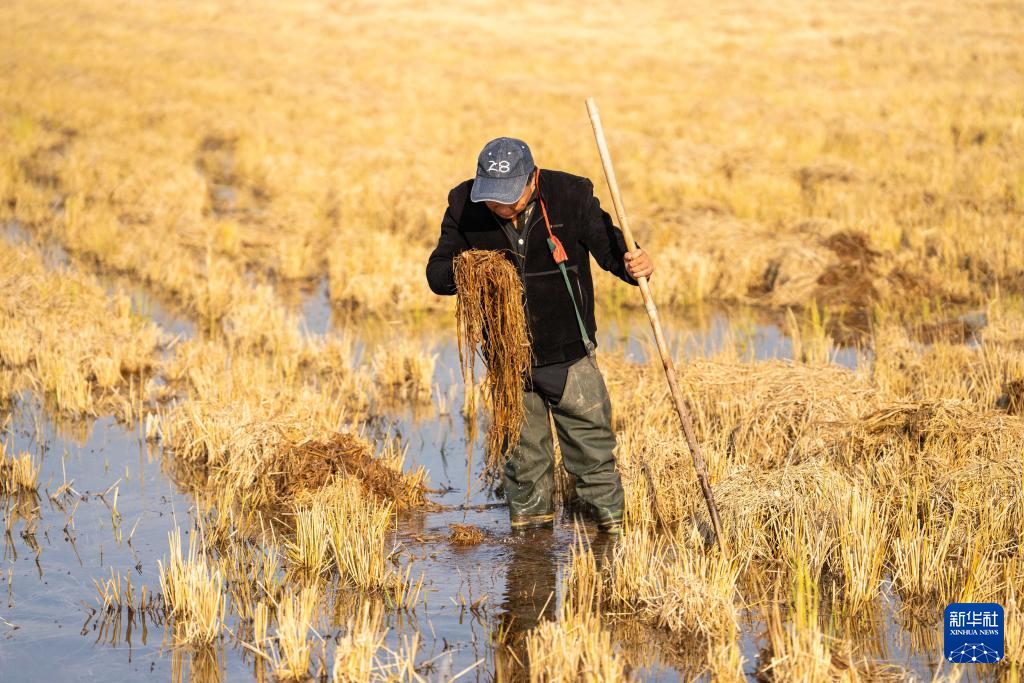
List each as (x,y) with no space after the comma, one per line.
(235,442)
(108,498)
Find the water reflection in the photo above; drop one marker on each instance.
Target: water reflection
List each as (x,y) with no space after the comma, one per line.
(529,598)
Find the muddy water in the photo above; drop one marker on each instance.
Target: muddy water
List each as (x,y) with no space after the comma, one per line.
(49,629)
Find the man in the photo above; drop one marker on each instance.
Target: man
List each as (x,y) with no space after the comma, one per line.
(529,213)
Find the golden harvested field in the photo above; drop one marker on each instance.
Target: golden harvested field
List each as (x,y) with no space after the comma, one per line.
(233,436)
(187,144)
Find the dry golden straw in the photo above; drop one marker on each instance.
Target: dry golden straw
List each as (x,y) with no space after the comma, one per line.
(489,313)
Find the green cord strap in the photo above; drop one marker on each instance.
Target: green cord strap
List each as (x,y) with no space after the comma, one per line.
(579,319)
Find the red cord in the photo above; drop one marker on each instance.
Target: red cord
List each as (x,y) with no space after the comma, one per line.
(558,252)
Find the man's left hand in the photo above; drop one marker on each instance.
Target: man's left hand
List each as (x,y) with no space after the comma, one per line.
(638,264)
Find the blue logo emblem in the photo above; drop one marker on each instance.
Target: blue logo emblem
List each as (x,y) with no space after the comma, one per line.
(973,633)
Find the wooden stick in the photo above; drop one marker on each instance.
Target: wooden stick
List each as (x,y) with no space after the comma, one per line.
(652,313)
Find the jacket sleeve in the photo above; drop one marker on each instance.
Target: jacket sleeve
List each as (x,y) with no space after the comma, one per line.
(440,271)
(601,237)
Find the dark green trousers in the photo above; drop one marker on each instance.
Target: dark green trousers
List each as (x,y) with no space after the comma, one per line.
(583,423)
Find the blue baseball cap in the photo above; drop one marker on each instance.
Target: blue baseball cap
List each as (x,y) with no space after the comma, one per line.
(502,170)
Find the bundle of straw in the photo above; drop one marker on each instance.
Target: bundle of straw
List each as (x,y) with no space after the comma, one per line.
(489,314)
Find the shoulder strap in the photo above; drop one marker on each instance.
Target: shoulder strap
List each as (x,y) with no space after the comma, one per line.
(558,253)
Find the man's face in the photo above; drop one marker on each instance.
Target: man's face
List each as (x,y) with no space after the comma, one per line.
(510,211)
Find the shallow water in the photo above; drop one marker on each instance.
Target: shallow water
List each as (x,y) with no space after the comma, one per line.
(54,255)
(50,631)
(502,567)
(47,636)
(144,303)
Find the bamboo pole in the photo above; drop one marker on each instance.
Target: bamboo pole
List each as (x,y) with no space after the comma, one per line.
(652,313)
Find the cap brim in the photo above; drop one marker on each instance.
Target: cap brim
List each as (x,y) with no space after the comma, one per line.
(501,190)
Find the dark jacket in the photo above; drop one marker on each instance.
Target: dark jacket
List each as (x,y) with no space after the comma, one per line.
(578,220)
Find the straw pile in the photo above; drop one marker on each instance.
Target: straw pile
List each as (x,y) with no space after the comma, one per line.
(312,465)
(260,459)
(465,534)
(489,314)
